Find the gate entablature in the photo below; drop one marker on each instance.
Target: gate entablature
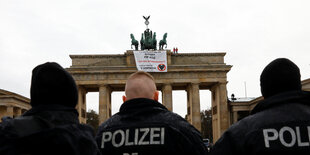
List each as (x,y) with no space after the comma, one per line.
(128,59)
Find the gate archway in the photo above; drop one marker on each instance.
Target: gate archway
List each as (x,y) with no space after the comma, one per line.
(186,71)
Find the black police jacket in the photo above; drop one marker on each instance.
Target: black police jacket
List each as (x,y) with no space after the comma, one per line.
(146,127)
(277,125)
(47,130)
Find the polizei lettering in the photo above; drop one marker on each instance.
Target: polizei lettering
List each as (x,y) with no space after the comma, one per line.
(137,136)
(287,136)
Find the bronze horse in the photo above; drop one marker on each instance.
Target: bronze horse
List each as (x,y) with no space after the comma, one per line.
(163,42)
(134,42)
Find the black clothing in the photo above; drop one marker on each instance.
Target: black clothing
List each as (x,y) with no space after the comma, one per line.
(279,76)
(146,127)
(52,84)
(52,125)
(277,125)
(51,129)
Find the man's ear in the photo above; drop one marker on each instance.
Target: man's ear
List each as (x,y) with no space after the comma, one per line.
(156,95)
(124,98)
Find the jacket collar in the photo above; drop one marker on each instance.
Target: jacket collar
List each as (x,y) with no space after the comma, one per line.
(56,114)
(139,103)
(52,107)
(302,97)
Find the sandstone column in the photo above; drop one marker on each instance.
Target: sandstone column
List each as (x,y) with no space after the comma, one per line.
(189,103)
(215,121)
(18,111)
(220,111)
(223,108)
(81,106)
(84,113)
(104,103)
(196,118)
(10,111)
(235,115)
(109,103)
(167,96)
(193,105)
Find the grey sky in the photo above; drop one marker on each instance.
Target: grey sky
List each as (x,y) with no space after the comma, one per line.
(251,32)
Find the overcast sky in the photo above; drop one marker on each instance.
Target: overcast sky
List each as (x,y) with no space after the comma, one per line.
(251,32)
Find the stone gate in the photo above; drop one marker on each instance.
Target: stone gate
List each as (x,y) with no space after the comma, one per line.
(186,71)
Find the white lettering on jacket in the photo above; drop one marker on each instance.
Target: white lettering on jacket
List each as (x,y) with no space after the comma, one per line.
(141,136)
(287,136)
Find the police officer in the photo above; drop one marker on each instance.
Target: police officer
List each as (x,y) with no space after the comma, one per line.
(280,124)
(51,126)
(143,126)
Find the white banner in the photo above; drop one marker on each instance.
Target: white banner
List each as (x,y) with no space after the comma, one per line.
(151,61)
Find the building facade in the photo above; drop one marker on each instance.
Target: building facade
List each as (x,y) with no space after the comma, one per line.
(12,104)
(241,107)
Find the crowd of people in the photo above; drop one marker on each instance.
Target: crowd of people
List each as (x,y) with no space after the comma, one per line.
(143,126)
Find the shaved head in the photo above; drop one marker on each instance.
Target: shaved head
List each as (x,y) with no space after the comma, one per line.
(140,85)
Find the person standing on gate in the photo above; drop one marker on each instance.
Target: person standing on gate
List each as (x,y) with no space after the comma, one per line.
(280,124)
(143,126)
(51,126)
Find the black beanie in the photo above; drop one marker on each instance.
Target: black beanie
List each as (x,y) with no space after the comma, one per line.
(279,76)
(52,84)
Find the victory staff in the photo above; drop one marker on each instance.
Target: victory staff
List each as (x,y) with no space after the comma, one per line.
(144,126)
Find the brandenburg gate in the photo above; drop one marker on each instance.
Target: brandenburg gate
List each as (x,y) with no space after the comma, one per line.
(186,71)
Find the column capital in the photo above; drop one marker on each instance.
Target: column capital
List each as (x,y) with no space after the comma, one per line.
(222,82)
(80,86)
(213,87)
(82,89)
(190,85)
(195,83)
(103,85)
(167,83)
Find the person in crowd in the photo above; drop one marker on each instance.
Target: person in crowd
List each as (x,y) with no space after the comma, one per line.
(279,124)
(143,126)
(51,126)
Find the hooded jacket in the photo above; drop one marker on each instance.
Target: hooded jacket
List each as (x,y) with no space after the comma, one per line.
(47,130)
(51,126)
(277,125)
(146,127)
